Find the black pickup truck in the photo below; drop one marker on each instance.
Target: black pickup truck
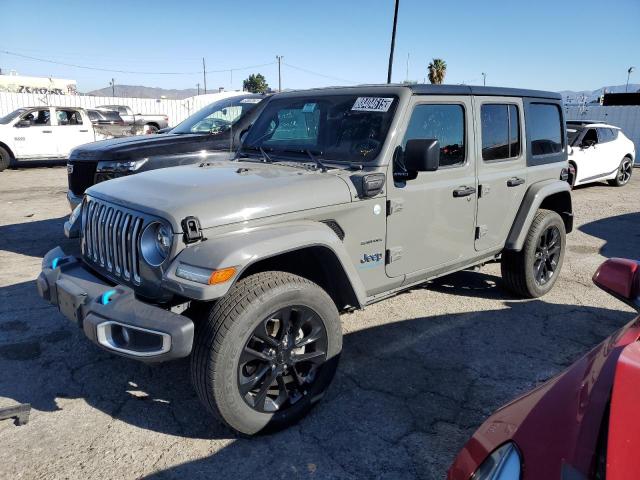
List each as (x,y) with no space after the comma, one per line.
(211,133)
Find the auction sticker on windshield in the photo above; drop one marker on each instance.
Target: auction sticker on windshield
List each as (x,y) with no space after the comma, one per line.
(372,104)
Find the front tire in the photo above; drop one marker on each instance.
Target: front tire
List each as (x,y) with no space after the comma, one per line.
(5,159)
(266,352)
(624,173)
(534,270)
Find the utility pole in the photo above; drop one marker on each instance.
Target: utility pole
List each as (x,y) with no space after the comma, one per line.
(393,41)
(279,59)
(204,75)
(198,85)
(113,87)
(406,78)
(631,69)
(484,79)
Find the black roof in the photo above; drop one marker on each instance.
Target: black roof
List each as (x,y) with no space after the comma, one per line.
(426,89)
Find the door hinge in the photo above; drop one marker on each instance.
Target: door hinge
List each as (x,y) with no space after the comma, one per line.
(481,231)
(393,255)
(394,206)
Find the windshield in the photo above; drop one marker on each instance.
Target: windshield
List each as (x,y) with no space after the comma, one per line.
(219,116)
(572,135)
(348,128)
(10,116)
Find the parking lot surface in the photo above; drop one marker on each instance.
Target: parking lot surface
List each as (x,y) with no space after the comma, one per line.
(418,374)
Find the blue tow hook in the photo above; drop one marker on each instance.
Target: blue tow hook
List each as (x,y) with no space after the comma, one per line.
(106,296)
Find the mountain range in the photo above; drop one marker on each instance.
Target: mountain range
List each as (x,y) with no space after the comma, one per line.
(591,95)
(138,91)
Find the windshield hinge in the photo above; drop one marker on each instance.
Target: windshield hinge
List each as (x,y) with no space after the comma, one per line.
(191,229)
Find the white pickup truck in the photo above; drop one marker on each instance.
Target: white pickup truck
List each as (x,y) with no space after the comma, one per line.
(43,133)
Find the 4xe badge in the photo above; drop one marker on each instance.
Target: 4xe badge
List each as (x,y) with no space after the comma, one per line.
(370,260)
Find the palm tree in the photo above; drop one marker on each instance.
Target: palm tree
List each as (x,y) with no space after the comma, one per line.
(437,71)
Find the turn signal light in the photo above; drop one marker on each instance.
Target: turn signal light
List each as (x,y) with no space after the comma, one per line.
(221,276)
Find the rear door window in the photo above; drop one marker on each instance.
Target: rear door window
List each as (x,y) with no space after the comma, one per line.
(545,128)
(500,131)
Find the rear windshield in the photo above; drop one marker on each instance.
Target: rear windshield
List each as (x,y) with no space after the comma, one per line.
(350,128)
(110,115)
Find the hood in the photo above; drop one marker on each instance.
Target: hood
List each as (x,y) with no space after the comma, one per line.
(223,193)
(556,425)
(132,148)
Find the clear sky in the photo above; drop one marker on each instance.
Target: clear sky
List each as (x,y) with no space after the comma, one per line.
(554,45)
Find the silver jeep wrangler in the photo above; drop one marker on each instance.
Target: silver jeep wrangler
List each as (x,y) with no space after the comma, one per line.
(336,199)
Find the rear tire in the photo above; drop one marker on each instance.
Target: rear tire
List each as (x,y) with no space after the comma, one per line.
(243,343)
(150,129)
(534,270)
(5,159)
(623,175)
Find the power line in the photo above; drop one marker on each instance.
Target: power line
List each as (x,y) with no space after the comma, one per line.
(319,74)
(85,67)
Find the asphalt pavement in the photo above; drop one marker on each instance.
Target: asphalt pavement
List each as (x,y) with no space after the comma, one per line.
(418,374)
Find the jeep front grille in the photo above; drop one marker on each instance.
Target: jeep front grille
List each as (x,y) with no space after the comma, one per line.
(110,239)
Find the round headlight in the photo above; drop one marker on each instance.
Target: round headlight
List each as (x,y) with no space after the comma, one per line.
(504,463)
(155,243)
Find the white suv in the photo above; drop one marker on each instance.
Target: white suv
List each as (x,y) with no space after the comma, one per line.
(599,151)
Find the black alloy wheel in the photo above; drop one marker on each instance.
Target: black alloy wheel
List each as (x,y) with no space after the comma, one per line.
(547,255)
(279,362)
(624,172)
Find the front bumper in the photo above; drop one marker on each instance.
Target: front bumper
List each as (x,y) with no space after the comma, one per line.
(111,316)
(74,200)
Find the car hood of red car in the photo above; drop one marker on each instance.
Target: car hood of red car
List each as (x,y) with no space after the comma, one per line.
(557,425)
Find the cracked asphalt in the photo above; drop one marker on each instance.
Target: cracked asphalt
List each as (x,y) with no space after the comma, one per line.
(418,374)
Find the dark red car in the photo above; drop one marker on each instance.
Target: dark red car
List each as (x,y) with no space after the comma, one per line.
(583,423)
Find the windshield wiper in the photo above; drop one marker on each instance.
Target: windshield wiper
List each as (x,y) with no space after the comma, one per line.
(316,160)
(265,156)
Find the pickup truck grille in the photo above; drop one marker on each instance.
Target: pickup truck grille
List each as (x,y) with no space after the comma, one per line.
(81,176)
(110,239)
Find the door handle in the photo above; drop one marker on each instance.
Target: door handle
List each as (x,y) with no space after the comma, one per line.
(84,131)
(46,131)
(515,181)
(464,191)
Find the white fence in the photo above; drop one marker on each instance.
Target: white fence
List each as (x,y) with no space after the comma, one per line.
(176,110)
(626,117)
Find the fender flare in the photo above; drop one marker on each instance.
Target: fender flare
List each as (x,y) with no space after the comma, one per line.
(534,197)
(245,247)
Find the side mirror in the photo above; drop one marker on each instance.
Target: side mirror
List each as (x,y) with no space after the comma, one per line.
(24,123)
(621,278)
(422,155)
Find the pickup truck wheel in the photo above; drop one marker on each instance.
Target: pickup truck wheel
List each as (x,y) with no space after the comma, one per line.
(624,173)
(533,271)
(150,129)
(266,352)
(5,159)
